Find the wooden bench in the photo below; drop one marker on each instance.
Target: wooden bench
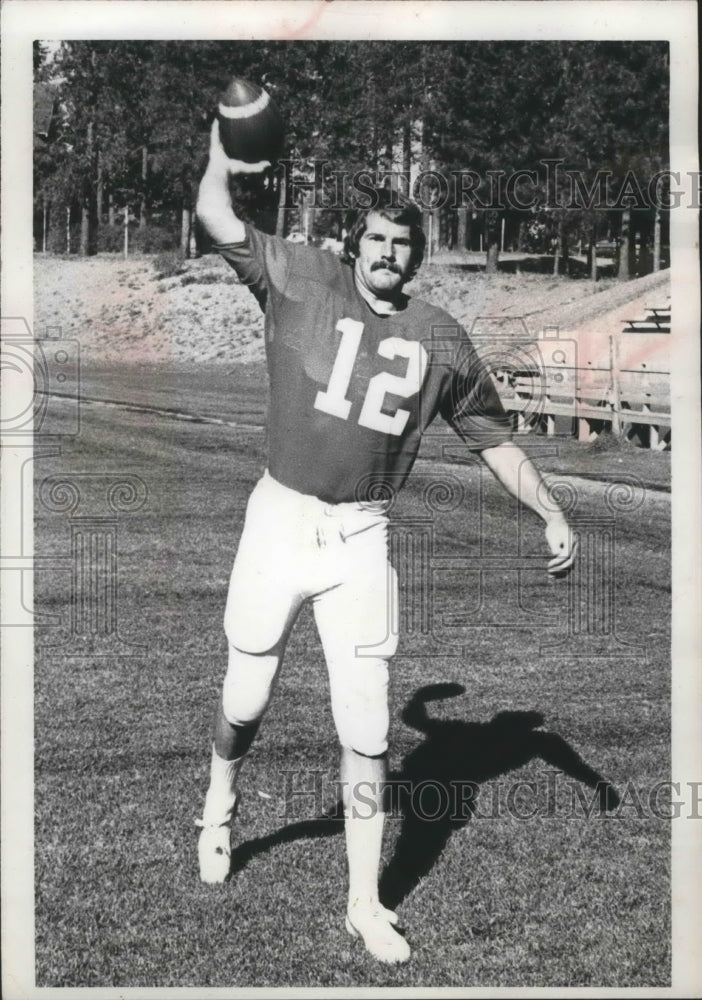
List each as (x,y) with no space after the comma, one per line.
(653,324)
(656,320)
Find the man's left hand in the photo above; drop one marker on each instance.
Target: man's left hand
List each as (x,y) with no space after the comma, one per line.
(563,545)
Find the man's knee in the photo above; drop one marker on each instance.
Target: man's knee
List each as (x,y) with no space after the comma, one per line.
(360,706)
(247,685)
(255,622)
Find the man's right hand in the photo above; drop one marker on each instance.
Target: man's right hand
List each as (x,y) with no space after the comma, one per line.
(563,543)
(214,203)
(221,162)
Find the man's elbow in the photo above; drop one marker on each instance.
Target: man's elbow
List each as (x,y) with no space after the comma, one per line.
(218,221)
(493,450)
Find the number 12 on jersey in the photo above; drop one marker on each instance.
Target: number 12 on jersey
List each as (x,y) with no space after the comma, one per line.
(333,399)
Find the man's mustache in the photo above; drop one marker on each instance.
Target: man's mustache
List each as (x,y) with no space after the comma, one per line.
(385,265)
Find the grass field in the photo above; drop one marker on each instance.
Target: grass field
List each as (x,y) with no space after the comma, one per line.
(562,898)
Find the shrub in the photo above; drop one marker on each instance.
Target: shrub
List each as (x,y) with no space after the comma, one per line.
(206,278)
(56,239)
(110,239)
(169,264)
(606,441)
(153,239)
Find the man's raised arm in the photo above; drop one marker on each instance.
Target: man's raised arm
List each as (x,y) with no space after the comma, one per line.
(520,477)
(214,203)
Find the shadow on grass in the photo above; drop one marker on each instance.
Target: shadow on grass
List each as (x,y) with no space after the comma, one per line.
(454,754)
(454,759)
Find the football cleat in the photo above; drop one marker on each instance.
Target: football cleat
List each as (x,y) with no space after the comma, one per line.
(375,926)
(214,851)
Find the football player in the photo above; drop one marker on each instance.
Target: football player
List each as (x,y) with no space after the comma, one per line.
(357,372)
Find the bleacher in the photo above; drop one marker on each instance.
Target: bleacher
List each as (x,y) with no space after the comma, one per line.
(629,393)
(656,320)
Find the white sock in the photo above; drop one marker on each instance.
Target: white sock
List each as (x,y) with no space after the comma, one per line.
(221,795)
(364,837)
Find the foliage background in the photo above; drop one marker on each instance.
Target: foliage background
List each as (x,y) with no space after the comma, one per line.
(124,122)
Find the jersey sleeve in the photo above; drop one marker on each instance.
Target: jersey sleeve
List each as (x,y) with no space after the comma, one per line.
(471,404)
(262,262)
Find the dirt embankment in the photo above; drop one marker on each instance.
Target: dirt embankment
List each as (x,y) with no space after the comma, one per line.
(122,309)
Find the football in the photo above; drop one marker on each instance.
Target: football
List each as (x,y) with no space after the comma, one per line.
(250,126)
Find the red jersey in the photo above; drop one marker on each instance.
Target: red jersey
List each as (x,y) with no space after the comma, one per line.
(351,390)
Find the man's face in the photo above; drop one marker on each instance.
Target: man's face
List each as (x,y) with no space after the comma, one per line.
(384,253)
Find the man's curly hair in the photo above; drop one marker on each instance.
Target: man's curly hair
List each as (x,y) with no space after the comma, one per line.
(399,209)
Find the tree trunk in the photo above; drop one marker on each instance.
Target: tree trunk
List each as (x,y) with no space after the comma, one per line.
(125,231)
(521,231)
(373,124)
(87,212)
(144,177)
(592,252)
(557,257)
(625,246)
(442,228)
(407,155)
(431,228)
(493,257)
(462,234)
(559,248)
(110,209)
(44,224)
(185,224)
(388,155)
(657,240)
(307,215)
(492,226)
(423,151)
(99,191)
(281,217)
(84,230)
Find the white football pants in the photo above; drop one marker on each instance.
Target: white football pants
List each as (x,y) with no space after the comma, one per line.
(296,548)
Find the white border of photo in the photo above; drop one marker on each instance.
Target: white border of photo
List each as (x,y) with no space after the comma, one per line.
(673,20)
